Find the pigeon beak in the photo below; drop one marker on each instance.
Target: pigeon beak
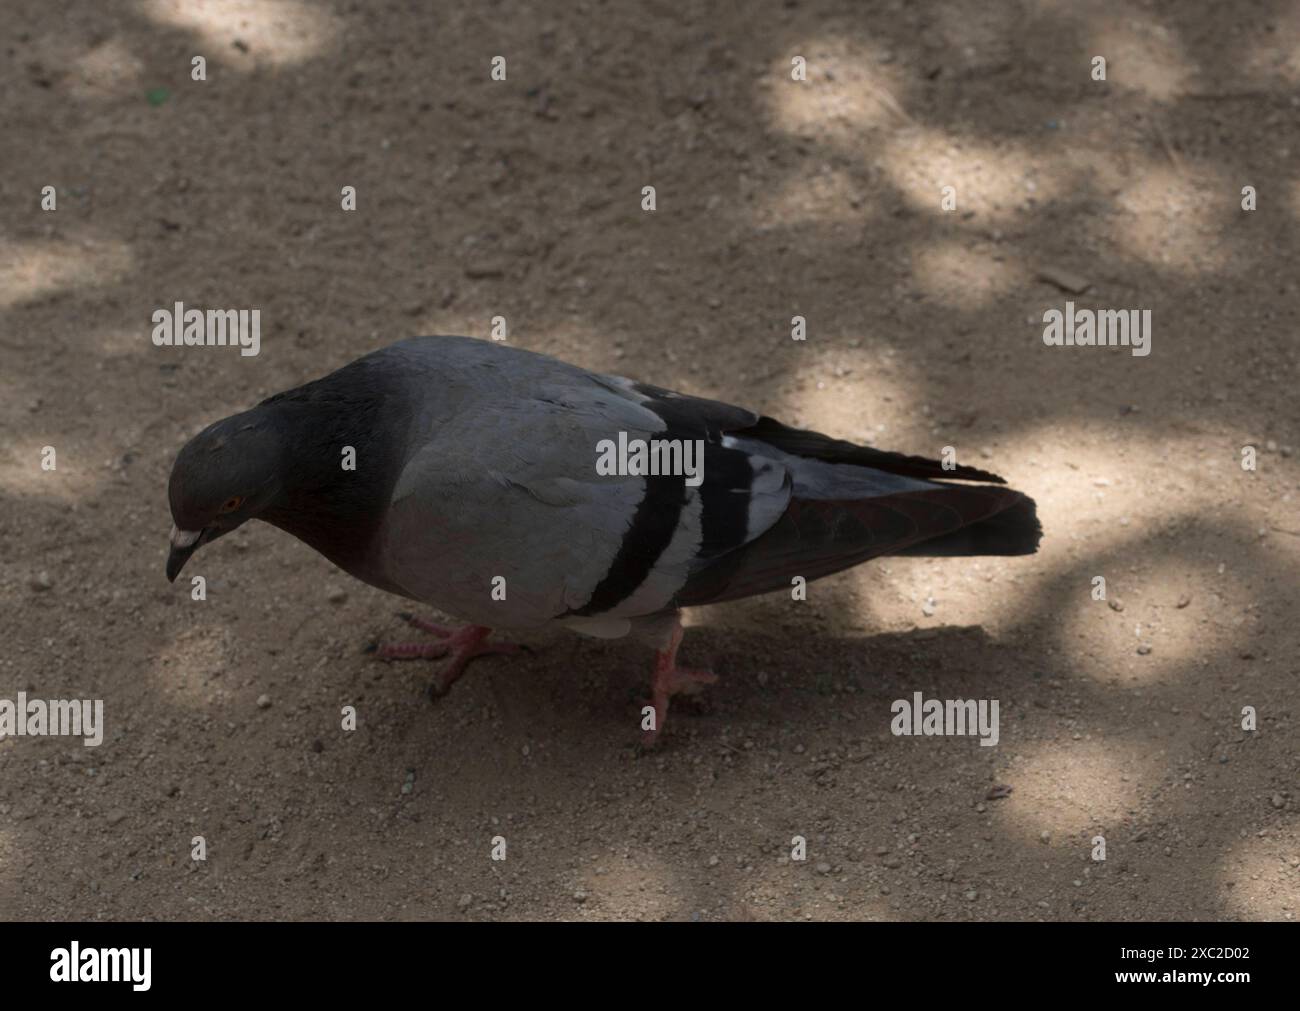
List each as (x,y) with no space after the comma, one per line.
(184,543)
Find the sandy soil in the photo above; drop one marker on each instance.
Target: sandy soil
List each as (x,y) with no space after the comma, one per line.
(522,199)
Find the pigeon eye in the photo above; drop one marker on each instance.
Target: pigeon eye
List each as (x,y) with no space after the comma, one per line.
(232,503)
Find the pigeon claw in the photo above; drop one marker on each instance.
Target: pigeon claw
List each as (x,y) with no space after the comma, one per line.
(459,645)
(664,687)
(669,680)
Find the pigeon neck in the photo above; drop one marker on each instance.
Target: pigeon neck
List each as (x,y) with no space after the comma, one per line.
(338,478)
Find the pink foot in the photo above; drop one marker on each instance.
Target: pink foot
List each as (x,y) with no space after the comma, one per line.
(670,680)
(461,644)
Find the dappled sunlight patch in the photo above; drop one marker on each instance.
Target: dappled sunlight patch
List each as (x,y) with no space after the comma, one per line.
(1107,513)
(35,268)
(75,477)
(991,181)
(955,273)
(1106,493)
(1074,788)
(278,32)
(991,593)
(124,343)
(848,90)
(1166,618)
(1172,218)
(188,671)
(1254,876)
(856,393)
(107,70)
(1142,55)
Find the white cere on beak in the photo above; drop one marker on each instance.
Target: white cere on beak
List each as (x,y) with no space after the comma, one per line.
(184,538)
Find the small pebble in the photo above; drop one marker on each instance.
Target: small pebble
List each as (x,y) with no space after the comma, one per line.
(337,595)
(1278,801)
(41,581)
(264,702)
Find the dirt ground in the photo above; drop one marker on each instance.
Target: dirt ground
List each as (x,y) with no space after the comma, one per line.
(774,197)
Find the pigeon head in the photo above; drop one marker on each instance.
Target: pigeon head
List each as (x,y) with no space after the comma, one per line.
(223,477)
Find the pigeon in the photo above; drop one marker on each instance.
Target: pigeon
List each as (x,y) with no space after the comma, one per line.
(517,492)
